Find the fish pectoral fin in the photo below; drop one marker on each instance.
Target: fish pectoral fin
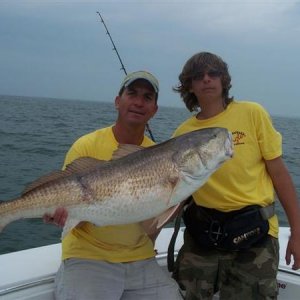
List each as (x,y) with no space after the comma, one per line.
(154,225)
(171,184)
(149,225)
(168,215)
(69,225)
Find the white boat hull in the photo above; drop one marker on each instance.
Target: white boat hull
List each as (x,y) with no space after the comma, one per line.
(29,274)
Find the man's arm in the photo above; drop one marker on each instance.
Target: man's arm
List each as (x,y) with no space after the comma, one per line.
(286,193)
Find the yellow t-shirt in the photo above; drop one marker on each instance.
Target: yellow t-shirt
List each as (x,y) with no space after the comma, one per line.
(120,243)
(243,180)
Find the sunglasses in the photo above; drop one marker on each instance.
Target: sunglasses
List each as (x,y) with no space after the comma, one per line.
(211,73)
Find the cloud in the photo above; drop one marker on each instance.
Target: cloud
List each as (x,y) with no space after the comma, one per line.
(60,48)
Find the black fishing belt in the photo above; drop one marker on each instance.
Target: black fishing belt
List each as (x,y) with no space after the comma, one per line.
(228,231)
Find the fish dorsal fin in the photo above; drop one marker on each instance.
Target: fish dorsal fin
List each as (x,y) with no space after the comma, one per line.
(43,180)
(83,164)
(125,149)
(78,166)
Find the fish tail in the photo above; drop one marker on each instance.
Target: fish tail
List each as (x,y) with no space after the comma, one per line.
(2,224)
(5,218)
(13,210)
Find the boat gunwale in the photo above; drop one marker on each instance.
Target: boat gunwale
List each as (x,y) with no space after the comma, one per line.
(47,279)
(27,284)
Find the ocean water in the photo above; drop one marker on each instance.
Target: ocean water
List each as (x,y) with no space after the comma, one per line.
(35,134)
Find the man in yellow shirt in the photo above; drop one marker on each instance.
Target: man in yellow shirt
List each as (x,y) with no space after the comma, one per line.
(221,251)
(114,262)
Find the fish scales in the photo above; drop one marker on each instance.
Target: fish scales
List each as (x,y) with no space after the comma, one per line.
(41,200)
(133,188)
(135,178)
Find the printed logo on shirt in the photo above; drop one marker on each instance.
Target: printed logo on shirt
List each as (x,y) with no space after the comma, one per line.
(238,137)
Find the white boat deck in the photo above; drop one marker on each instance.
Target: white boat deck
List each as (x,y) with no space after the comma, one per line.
(29,274)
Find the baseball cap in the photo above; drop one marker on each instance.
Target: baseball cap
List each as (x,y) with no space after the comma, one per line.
(131,77)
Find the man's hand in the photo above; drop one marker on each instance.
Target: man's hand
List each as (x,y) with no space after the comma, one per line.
(293,249)
(58,218)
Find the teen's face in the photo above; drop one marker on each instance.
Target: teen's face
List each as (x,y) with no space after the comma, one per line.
(137,104)
(207,85)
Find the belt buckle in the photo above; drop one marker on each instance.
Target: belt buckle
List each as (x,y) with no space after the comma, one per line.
(215,232)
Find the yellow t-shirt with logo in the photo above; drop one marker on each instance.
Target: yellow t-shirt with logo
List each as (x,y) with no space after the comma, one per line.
(242,180)
(120,243)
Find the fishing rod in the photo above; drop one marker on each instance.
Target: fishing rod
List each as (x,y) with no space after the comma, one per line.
(114,46)
(122,65)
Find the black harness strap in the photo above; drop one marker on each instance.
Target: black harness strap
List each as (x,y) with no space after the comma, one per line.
(171,248)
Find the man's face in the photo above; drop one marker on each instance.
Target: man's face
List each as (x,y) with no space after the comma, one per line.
(137,104)
(207,85)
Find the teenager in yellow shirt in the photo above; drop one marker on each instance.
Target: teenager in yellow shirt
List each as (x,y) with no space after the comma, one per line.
(114,262)
(217,254)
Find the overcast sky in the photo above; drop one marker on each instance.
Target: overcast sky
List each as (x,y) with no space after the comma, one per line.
(60,49)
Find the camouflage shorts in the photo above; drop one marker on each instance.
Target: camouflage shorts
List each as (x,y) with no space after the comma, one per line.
(248,274)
